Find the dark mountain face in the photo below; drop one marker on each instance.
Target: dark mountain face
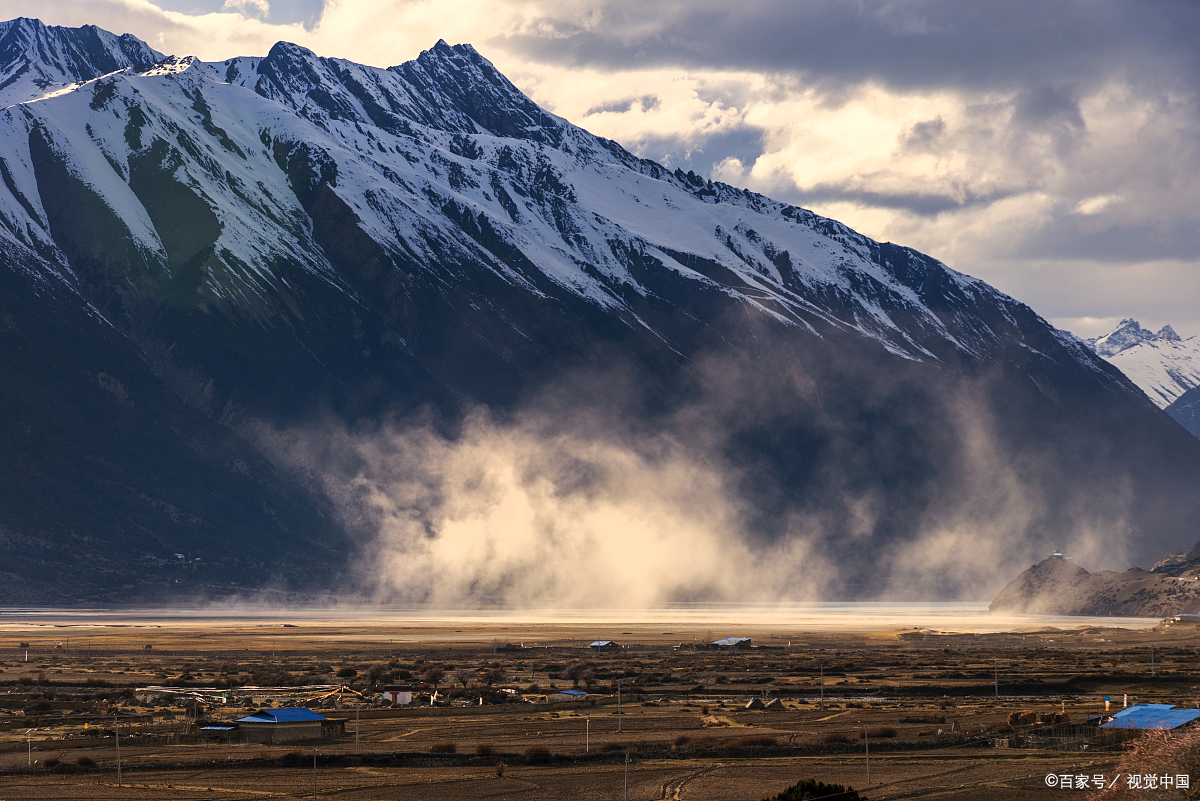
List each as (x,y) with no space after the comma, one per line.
(1186,411)
(226,287)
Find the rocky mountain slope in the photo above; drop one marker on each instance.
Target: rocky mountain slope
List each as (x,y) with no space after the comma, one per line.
(198,260)
(1058,586)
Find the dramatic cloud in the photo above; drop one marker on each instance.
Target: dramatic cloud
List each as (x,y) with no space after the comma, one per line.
(1009,140)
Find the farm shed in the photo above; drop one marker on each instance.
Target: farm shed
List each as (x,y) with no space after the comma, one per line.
(563,696)
(731,642)
(282,725)
(604,645)
(1151,716)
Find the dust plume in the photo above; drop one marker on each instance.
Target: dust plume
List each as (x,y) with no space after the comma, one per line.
(517,514)
(752,490)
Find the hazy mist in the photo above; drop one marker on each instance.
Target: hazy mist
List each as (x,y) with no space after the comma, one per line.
(578,506)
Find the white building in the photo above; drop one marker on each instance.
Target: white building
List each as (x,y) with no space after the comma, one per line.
(397,695)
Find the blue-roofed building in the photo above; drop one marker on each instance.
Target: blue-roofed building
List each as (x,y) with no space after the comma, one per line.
(731,642)
(604,645)
(563,696)
(281,725)
(1151,716)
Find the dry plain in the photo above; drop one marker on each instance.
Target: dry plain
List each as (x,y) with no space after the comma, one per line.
(934,703)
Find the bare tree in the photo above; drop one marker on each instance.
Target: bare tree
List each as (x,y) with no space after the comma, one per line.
(494,676)
(434,676)
(1155,754)
(577,671)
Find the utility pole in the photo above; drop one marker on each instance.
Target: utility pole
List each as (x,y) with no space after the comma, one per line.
(314,774)
(117,734)
(626,776)
(618,705)
(587,735)
(822,687)
(356,732)
(997,678)
(1151,659)
(867,744)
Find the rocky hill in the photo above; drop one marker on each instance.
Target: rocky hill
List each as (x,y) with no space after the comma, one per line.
(1058,586)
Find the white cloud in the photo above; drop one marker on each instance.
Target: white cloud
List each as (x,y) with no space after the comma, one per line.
(1095,205)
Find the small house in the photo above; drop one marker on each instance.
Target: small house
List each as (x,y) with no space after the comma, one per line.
(282,725)
(604,645)
(731,642)
(398,695)
(563,696)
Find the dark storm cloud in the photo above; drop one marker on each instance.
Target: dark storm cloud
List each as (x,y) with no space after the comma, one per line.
(644,103)
(916,44)
(701,154)
(925,205)
(1079,237)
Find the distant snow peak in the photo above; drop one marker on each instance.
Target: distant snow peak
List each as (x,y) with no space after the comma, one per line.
(1163,364)
(1128,333)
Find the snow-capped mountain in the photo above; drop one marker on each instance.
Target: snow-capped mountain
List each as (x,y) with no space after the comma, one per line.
(194,251)
(1164,365)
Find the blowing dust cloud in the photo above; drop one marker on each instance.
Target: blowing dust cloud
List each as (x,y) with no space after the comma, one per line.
(533,513)
(513,515)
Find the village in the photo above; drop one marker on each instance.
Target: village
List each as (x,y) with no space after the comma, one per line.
(434,712)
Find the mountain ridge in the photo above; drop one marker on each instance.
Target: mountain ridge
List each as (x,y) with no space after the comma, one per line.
(288,237)
(1163,364)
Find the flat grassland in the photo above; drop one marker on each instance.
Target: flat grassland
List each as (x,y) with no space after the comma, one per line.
(934,706)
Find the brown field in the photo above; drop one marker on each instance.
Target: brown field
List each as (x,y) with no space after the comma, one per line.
(935,706)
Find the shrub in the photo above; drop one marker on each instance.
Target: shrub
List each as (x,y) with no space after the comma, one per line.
(347,673)
(835,738)
(537,754)
(682,740)
(443,748)
(1157,752)
(85,762)
(878,732)
(811,788)
(608,747)
(485,749)
(52,762)
(762,741)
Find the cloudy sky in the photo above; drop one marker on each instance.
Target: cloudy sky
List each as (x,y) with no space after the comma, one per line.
(1050,148)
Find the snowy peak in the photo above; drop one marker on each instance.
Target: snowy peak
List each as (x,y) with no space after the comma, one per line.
(451,89)
(478,91)
(1163,364)
(36,58)
(1128,333)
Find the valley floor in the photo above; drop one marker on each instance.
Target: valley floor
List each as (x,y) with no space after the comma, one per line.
(936,706)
